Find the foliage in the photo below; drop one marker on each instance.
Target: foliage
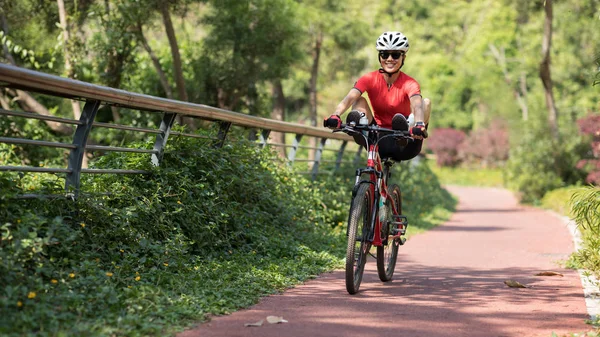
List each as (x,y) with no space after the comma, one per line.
(423,198)
(586,210)
(559,200)
(208,232)
(538,163)
(590,126)
(132,261)
(445,144)
(19,154)
(263,43)
(466,176)
(597,77)
(487,147)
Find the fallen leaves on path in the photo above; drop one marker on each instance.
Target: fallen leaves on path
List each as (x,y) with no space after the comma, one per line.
(259,323)
(270,319)
(549,273)
(514,284)
(275,319)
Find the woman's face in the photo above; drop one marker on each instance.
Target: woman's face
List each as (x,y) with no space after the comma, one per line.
(391,60)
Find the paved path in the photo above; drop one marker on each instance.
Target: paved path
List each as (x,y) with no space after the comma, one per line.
(448,282)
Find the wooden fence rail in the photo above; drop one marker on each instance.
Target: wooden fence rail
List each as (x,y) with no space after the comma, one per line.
(95,97)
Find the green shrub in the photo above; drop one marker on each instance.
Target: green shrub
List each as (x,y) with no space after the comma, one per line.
(467,176)
(538,164)
(586,211)
(208,232)
(559,200)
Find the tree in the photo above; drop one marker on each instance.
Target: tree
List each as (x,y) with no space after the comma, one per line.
(545,74)
(70,71)
(23,99)
(177,65)
(249,42)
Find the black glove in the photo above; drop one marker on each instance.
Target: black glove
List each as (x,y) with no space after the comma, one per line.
(332,122)
(419,130)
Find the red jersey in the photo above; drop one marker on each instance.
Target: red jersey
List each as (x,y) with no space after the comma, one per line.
(386,102)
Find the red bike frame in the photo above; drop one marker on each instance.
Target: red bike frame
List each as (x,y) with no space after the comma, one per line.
(379,186)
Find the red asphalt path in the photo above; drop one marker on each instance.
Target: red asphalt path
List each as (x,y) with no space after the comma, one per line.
(449,281)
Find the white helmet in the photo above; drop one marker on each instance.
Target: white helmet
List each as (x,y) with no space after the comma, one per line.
(392,41)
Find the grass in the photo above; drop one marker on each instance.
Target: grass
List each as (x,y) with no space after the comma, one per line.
(559,200)
(164,251)
(484,177)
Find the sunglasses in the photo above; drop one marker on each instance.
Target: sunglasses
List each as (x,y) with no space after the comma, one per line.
(395,55)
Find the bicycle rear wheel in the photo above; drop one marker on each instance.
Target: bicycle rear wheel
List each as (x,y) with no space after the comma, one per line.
(387,254)
(358,233)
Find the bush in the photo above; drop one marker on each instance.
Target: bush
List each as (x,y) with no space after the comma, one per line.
(487,147)
(559,200)
(586,210)
(590,126)
(445,144)
(539,163)
(531,169)
(208,232)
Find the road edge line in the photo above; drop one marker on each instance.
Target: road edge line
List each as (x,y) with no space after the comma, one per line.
(588,281)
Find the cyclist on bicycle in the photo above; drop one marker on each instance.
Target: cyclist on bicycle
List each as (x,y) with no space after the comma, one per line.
(395,97)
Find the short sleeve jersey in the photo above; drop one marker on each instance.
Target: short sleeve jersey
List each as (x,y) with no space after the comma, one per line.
(386,102)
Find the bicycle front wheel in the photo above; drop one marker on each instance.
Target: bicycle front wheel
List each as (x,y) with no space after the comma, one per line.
(386,255)
(358,234)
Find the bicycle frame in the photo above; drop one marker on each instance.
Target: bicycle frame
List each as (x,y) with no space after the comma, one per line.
(379,187)
(371,193)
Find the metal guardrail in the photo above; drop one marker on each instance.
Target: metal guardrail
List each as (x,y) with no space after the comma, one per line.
(96,96)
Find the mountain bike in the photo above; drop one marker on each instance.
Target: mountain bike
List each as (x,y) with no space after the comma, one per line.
(375,217)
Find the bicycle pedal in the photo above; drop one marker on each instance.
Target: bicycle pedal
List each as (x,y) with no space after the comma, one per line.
(402,241)
(400,218)
(401,231)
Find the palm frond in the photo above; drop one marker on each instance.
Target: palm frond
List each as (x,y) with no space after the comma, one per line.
(586,208)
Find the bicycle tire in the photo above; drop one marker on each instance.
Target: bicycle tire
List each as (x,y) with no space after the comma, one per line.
(358,232)
(387,254)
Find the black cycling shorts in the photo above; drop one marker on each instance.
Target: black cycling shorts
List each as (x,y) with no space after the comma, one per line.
(390,148)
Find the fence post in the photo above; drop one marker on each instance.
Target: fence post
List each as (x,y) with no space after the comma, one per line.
(82,132)
(162,137)
(338,161)
(318,155)
(264,137)
(223,130)
(295,144)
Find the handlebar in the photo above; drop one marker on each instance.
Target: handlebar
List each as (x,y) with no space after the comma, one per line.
(352,128)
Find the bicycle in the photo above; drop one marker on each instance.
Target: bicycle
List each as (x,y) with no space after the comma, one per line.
(375,217)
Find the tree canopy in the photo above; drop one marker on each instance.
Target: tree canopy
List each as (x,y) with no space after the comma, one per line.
(477,60)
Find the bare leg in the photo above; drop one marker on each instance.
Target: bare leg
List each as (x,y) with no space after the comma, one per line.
(363,106)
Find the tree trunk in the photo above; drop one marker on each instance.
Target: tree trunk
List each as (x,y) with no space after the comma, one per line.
(177,67)
(521,93)
(62,15)
(313,89)
(278,113)
(159,70)
(26,101)
(522,99)
(545,70)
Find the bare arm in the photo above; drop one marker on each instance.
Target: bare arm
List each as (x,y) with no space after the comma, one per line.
(416,106)
(350,98)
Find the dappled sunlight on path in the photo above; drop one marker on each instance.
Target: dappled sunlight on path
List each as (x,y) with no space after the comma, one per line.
(449,281)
